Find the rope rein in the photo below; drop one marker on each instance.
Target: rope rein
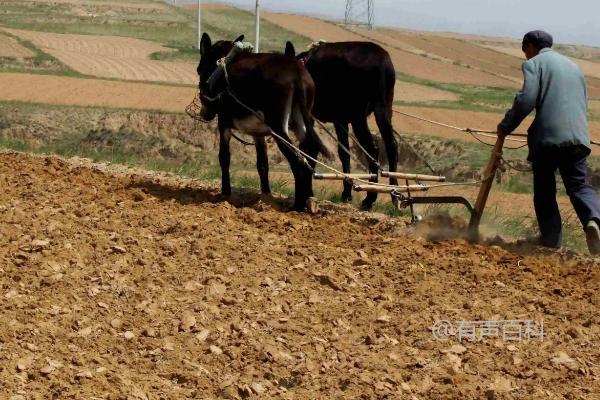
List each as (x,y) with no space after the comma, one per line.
(479,132)
(304,157)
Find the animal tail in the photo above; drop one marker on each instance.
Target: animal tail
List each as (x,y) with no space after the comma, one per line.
(310,131)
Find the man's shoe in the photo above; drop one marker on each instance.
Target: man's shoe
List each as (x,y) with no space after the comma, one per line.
(592,235)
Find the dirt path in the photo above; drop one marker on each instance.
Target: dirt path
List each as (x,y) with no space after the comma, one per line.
(130,285)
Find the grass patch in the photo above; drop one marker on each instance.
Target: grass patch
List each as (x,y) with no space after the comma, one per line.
(40,62)
(471,98)
(172,26)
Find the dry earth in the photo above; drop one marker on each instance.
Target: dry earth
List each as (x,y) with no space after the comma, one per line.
(59,90)
(462,119)
(589,68)
(111,56)
(120,284)
(458,51)
(209,6)
(122,4)
(93,92)
(404,61)
(9,47)
(412,92)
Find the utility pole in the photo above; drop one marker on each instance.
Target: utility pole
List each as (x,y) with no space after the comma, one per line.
(257,26)
(199,24)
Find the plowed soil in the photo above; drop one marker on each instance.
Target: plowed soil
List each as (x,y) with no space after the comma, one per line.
(404,61)
(589,68)
(9,47)
(412,92)
(92,92)
(58,90)
(122,4)
(120,284)
(463,119)
(111,56)
(459,51)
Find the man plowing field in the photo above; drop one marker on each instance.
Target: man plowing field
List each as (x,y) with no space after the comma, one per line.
(558,138)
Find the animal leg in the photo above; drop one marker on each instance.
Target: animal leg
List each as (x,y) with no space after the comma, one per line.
(341,129)
(311,146)
(361,130)
(262,163)
(299,170)
(224,158)
(384,122)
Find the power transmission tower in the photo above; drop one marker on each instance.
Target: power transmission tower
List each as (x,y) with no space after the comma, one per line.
(360,13)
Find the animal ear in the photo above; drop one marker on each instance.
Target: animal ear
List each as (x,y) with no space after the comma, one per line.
(239,39)
(205,44)
(290,50)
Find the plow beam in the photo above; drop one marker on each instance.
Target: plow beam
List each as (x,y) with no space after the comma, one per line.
(413,177)
(390,189)
(341,177)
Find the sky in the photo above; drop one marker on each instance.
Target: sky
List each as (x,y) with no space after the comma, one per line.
(569,21)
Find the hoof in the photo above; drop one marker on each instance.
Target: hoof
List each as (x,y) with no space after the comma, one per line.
(366,205)
(312,206)
(299,207)
(226,192)
(346,198)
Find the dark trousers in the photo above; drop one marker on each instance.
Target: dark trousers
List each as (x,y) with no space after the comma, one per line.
(572,165)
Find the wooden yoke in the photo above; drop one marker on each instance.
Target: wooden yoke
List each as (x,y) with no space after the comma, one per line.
(486,186)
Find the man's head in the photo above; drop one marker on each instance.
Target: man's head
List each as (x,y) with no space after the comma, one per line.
(535,41)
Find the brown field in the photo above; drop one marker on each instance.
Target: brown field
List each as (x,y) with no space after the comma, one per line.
(92,92)
(459,51)
(57,90)
(112,46)
(125,284)
(111,56)
(409,92)
(9,47)
(589,68)
(135,5)
(404,61)
(209,6)
(463,119)
(511,51)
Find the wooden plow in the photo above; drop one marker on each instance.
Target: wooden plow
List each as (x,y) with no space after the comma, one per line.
(416,183)
(365,182)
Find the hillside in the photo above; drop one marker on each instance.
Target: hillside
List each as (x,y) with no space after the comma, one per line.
(124,274)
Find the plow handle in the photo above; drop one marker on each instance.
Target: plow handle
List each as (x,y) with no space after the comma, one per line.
(486,187)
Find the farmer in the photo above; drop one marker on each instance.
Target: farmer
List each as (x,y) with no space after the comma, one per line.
(558,138)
